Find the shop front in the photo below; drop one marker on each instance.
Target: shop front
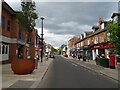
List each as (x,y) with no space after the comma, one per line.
(97,49)
(87,52)
(102,48)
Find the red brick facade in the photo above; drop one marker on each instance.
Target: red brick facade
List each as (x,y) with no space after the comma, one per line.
(13,44)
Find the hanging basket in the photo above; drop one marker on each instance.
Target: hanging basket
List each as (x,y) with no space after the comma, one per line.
(23,66)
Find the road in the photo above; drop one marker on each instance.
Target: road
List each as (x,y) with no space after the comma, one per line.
(63,73)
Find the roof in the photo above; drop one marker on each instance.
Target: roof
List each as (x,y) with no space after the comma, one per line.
(95,27)
(115,14)
(88,33)
(8,8)
(93,34)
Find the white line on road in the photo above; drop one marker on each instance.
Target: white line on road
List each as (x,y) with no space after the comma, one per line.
(74,64)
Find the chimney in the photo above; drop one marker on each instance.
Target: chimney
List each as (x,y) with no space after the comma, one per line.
(99,22)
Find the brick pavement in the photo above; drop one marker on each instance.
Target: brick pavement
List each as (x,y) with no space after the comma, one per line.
(91,64)
(11,80)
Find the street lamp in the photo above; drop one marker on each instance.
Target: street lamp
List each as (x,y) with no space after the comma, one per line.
(42,18)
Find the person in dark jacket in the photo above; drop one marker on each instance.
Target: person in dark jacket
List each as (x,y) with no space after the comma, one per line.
(79,57)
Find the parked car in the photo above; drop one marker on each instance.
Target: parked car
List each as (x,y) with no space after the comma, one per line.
(52,55)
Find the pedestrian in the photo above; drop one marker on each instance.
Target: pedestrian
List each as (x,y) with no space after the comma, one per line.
(84,58)
(72,55)
(79,57)
(97,57)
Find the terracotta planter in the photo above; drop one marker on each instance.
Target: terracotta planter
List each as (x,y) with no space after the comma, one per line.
(23,66)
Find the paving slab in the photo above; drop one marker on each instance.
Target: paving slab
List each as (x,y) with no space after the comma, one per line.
(11,80)
(111,73)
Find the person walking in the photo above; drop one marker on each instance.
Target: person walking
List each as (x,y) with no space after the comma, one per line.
(79,57)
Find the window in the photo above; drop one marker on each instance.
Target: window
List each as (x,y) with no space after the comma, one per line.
(20,35)
(95,40)
(102,38)
(8,25)
(6,50)
(108,36)
(102,26)
(3,49)
(115,19)
(3,22)
(88,41)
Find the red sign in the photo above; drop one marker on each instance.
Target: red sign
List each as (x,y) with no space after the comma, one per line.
(108,45)
(103,46)
(97,46)
(37,49)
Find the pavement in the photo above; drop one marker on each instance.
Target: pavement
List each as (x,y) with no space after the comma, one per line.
(91,64)
(11,80)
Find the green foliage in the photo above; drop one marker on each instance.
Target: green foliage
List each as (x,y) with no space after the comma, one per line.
(53,50)
(114,30)
(27,16)
(59,50)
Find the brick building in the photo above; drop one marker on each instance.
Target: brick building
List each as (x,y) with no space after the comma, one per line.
(13,42)
(96,42)
(71,45)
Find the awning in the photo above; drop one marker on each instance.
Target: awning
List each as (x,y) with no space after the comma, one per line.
(103,46)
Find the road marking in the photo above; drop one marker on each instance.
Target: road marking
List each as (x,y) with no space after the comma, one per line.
(74,64)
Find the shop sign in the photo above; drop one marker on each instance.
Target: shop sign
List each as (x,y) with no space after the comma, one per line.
(105,46)
(98,46)
(108,45)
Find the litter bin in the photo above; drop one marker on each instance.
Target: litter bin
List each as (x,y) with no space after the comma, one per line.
(104,62)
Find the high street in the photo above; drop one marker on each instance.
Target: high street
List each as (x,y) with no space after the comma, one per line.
(63,73)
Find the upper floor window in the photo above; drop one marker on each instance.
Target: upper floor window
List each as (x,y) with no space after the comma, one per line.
(95,40)
(20,35)
(102,38)
(84,35)
(3,22)
(108,36)
(115,19)
(102,26)
(8,25)
(88,41)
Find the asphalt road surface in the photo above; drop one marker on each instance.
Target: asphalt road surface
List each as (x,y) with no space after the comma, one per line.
(63,73)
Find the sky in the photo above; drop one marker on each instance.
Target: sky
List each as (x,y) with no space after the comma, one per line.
(65,18)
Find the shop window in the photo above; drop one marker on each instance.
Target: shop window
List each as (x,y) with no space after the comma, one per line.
(8,25)
(6,52)
(3,22)
(3,49)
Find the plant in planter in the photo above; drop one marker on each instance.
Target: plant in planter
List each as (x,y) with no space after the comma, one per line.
(26,19)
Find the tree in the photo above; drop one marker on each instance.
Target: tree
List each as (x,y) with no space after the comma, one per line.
(27,17)
(114,30)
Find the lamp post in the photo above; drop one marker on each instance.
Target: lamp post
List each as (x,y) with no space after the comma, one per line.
(42,18)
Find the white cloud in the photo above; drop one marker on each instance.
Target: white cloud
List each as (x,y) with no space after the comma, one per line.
(54,39)
(68,24)
(63,20)
(85,27)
